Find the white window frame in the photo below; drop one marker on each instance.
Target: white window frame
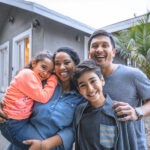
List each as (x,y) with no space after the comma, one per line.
(21,36)
(86,39)
(6,79)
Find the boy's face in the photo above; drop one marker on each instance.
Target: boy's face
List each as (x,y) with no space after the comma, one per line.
(101,51)
(90,86)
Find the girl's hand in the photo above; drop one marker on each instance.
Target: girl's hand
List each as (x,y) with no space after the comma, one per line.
(35,144)
(3,117)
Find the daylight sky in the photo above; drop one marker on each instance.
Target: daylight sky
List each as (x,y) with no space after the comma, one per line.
(98,13)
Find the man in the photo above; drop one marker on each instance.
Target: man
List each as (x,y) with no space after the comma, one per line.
(129,87)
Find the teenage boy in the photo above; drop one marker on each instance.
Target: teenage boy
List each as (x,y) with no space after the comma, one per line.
(128,86)
(96,125)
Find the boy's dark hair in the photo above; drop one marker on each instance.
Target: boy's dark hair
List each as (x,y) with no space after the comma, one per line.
(70,52)
(84,66)
(101,33)
(40,57)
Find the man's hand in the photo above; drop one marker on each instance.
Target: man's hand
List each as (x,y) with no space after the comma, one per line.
(122,108)
(3,117)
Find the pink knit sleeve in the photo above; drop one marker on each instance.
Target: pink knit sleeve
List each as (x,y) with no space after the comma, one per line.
(29,84)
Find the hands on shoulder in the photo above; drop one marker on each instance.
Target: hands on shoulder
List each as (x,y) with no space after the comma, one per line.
(122,108)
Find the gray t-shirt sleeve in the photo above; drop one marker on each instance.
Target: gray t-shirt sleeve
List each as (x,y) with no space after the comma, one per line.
(142,84)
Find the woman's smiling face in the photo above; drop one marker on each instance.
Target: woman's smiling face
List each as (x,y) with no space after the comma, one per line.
(64,66)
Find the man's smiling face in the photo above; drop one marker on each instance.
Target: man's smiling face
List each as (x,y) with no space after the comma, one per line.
(101,50)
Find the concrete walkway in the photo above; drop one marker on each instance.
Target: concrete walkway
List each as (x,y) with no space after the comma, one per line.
(3,143)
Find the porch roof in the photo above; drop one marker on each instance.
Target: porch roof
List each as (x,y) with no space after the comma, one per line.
(43,11)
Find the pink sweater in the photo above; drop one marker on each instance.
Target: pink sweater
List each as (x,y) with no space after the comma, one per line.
(23,90)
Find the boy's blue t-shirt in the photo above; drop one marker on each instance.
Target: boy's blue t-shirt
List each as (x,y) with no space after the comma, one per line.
(97,130)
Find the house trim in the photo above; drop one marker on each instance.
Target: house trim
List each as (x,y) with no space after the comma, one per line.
(123,24)
(6,79)
(86,47)
(43,11)
(21,36)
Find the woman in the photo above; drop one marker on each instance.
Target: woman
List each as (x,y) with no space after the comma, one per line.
(54,119)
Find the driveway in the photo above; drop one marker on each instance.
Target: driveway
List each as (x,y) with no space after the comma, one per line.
(3,143)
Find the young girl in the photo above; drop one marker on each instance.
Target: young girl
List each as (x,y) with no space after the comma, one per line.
(23,90)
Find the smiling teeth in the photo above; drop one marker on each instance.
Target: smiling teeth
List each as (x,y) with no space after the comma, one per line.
(64,74)
(100,56)
(92,94)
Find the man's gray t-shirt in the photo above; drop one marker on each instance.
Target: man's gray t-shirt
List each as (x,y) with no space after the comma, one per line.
(129,85)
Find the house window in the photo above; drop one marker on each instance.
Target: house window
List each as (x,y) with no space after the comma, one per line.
(21,51)
(4,66)
(27,45)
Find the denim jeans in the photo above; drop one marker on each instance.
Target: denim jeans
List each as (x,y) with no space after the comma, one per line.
(16,131)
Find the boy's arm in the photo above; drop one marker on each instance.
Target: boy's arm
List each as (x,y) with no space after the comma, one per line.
(32,87)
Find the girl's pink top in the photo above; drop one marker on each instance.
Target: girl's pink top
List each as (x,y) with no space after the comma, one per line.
(23,90)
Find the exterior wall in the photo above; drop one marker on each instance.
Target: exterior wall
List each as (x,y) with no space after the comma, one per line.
(55,35)
(10,30)
(50,35)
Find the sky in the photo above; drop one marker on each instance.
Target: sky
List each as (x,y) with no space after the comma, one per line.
(98,13)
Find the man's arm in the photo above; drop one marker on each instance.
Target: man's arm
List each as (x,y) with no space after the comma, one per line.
(146,108)
(122,108)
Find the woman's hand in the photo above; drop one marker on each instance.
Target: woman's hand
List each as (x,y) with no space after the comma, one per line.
(35,144)
(3,117)
(122,108)
(46,144)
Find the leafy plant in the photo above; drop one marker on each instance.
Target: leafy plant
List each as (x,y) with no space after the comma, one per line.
(134,43)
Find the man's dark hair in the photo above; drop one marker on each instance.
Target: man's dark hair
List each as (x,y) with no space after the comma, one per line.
(84,66)
(101,33)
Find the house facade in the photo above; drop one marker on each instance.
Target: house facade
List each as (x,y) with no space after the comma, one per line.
(27,28)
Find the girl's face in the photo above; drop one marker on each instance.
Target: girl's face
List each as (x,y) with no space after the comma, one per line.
(43,68)
(64,66)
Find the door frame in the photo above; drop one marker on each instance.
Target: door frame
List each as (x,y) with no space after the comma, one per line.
(86,39)
(21,36)
(6,80)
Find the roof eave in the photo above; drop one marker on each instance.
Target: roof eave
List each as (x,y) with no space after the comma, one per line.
(43,11)
(123,24)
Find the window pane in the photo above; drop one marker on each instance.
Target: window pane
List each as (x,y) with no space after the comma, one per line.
(27,51)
